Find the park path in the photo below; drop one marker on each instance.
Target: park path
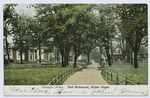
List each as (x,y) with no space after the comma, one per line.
(89,76)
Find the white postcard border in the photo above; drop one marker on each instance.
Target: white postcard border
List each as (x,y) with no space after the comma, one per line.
(92,90)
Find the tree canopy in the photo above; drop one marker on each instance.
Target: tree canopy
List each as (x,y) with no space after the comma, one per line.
(79,27)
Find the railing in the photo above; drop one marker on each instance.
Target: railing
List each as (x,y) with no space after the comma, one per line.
(31,66)
(123,81)
(58,79)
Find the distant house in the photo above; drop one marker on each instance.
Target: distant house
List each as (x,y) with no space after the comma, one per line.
(71,57)
(33,54)
(143,53)
(117,54)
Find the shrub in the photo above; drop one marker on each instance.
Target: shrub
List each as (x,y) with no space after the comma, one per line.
(83,60)
(5,61)
(101,59)
(11,60)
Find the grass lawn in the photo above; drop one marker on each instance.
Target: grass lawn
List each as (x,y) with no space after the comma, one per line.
(136,75)
(32,76)
(31,64)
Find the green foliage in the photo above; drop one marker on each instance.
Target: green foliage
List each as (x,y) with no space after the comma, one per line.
(134,25)
(134,19)
(8,15)
(11,60)
(21,37)
(68,24)
(101,59)
(9,12)
(5,61)
(31,76)
(105,30)
(83,60)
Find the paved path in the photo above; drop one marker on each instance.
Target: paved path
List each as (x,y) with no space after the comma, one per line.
(89,76)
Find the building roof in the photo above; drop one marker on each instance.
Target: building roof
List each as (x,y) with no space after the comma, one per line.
(11,45)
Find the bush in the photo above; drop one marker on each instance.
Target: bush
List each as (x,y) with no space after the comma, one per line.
(11,60)
(5,61)
(83,60)
(101,59)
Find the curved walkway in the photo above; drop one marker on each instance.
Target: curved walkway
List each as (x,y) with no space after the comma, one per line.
(89,76)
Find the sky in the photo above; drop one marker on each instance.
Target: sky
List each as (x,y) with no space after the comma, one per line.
(22,8)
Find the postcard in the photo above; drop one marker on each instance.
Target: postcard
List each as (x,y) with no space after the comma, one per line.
(93,49)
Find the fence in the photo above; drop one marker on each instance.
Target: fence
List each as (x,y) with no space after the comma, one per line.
(58,79)
(111,76)
(31,65)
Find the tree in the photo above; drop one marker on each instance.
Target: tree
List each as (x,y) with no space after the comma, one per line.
(125,46)
(82,28)
(8,16)
(134,25)
(56,17)
(105,29)
(20,34)
(39,34)
(87,48)
(67,24)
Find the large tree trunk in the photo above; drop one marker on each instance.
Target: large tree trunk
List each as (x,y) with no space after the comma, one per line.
(109,62)
(26,55)
(67,49)
(39,51)
(75,60)
(7,51)
(62,52)
(100,59)
(63,56)
(108,55)
(88,55)
(57,56)
(131,59)
(33,54)
(128,56)
(75,57)
(21,55)
(135,59)
(67,58)
(63,61)
(111,53)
